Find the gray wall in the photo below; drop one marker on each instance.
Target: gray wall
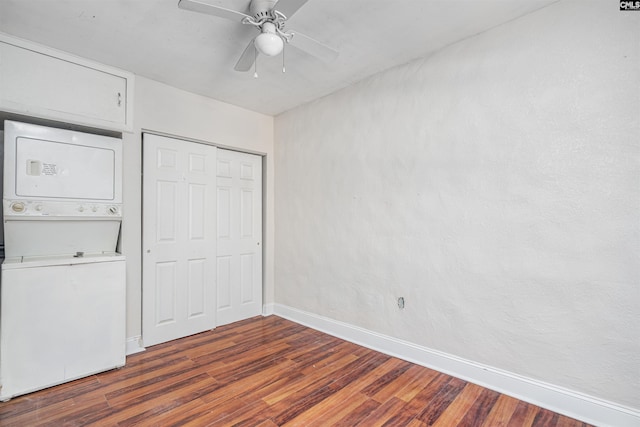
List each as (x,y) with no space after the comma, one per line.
(494,185)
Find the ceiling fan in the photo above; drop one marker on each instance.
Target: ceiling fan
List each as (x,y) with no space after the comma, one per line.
(269,17)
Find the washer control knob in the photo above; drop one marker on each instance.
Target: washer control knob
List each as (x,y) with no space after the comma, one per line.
(81,209)
(113,210)
(18,207)
(38,208)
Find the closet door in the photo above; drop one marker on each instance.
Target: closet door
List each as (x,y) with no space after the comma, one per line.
(179,239)
(239,236)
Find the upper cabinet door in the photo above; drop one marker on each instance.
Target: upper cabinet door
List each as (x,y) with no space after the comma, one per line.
(43,83)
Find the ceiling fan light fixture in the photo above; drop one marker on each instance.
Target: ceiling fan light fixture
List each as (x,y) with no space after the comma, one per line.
(268,42)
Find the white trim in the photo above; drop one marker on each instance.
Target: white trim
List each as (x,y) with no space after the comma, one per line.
(555,398)
(134,345)
(268,309)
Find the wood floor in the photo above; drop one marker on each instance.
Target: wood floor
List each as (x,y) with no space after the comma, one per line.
(270,372)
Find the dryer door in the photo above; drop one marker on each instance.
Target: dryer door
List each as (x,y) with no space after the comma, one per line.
(43,163)
(59,170)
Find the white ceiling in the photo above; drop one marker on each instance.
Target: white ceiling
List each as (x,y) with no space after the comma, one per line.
(197,53)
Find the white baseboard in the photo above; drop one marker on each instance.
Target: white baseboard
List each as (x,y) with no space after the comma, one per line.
(558,399)
(134,345)
(268,309)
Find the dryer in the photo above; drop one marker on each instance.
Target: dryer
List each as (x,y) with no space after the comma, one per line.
(62,191)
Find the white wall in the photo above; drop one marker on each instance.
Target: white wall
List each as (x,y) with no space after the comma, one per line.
(494,186)
(164,109)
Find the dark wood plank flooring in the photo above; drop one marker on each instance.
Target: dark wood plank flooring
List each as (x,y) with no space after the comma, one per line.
(270,372)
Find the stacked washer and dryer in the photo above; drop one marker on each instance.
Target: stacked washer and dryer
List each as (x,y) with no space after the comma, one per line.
(62,289)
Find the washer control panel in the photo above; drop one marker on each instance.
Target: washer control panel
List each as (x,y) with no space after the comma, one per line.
(46,208)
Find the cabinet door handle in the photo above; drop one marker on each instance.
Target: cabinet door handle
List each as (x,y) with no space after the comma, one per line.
(119,99)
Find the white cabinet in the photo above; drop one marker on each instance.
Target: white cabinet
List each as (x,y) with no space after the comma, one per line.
(40,82)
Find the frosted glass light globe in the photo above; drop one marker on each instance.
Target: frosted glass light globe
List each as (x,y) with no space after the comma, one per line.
(268,42)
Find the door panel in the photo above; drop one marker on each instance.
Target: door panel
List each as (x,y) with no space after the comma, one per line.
(247,278)
(197,287)
(179,240)
(167,204)
(239,236)
(197,211)
(165,292)
(224,213)
(224,282)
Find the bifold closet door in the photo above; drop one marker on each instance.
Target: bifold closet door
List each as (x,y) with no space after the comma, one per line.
(239,236)
(179,238)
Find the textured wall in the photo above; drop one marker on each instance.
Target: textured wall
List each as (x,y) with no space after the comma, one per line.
(494,185)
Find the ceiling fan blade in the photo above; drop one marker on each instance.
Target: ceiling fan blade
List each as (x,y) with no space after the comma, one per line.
(247,58)
(313,47)
(289,7)
(208,7)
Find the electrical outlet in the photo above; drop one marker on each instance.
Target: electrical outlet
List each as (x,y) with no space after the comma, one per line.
(401,302)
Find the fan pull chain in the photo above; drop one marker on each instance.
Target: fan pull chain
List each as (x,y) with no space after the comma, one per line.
(283,49)
(255,63)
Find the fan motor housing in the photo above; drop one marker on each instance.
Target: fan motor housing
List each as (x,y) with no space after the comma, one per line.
(260,9)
